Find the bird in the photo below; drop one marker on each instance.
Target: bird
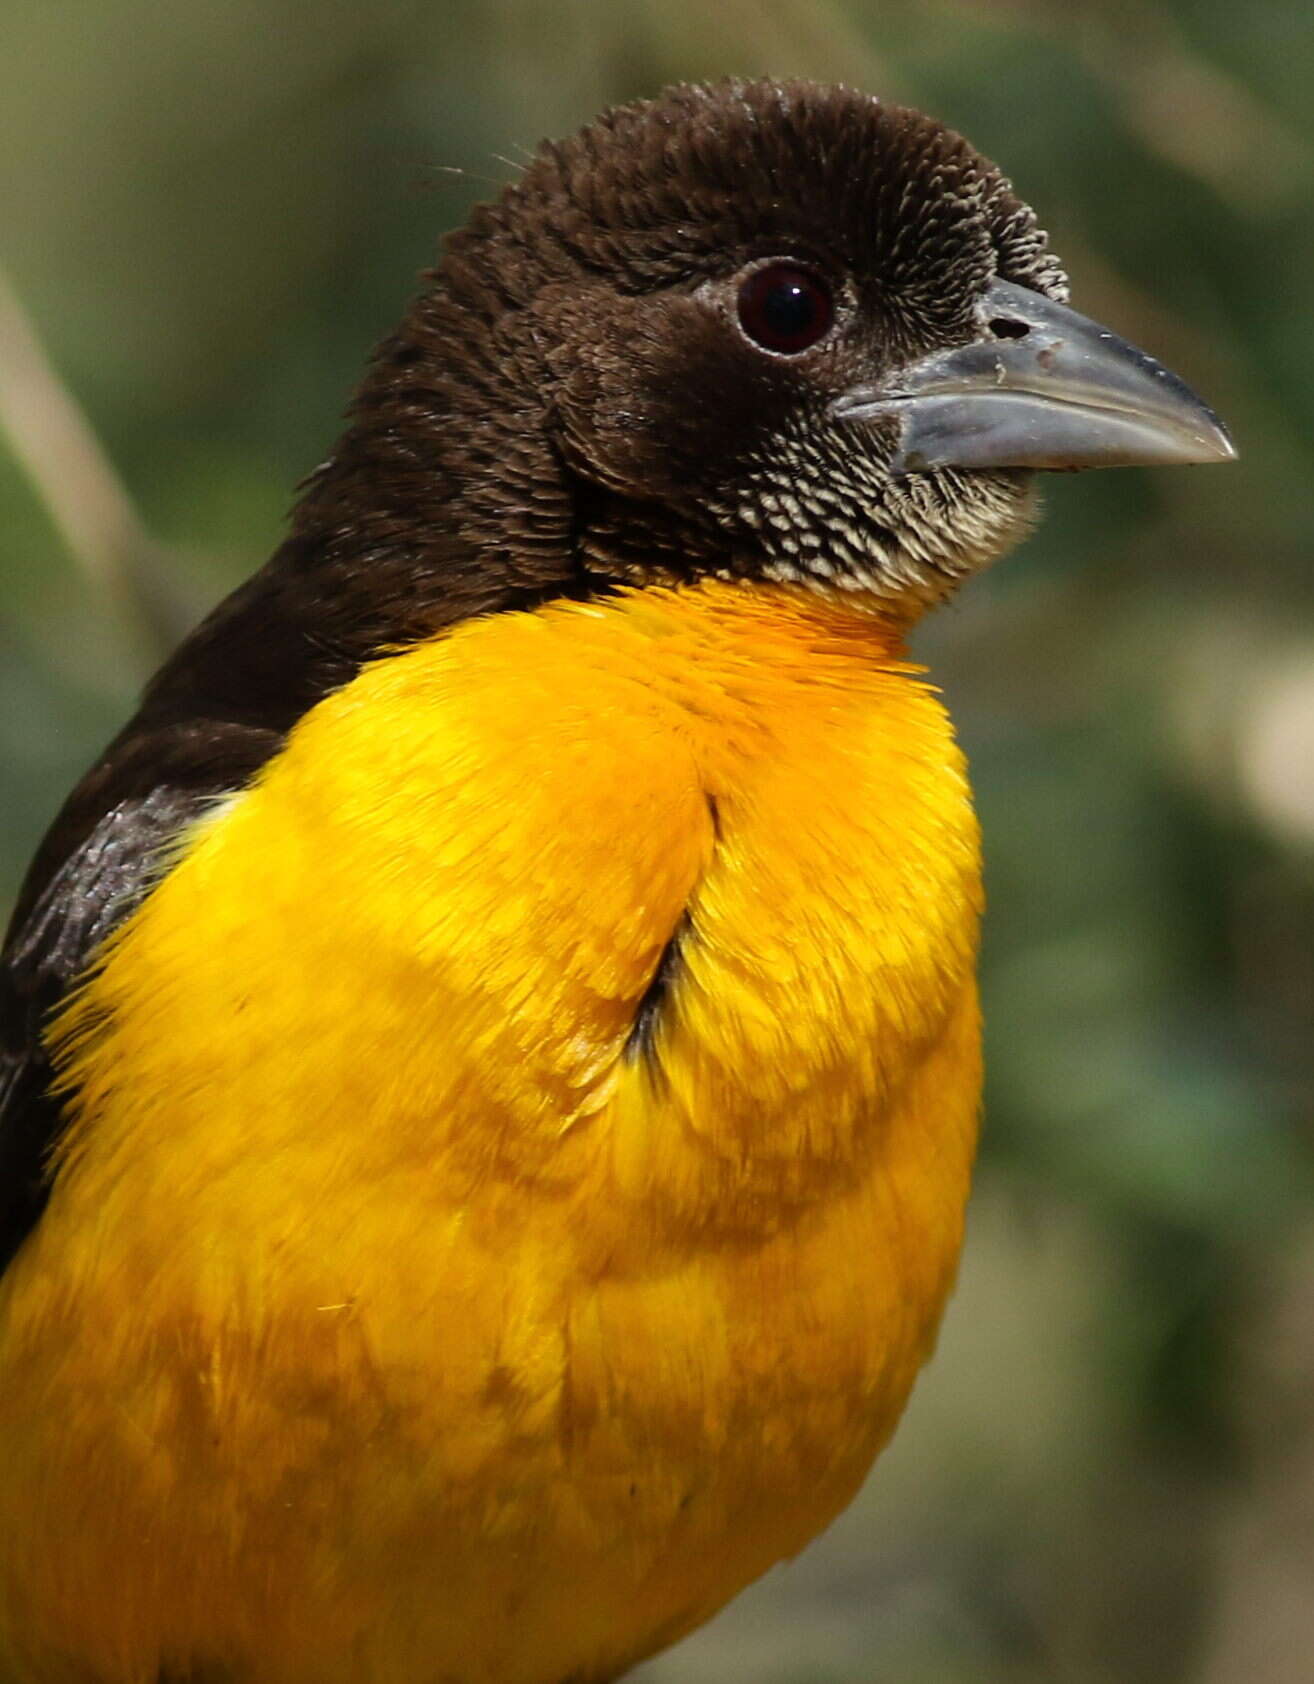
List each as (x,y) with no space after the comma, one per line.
(491,1061)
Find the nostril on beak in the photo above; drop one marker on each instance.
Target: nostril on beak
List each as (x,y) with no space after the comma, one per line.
(1003,327)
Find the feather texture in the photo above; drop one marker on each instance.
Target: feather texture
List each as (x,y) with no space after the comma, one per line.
(389,1319)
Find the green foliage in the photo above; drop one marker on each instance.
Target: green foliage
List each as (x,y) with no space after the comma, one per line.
(217,210)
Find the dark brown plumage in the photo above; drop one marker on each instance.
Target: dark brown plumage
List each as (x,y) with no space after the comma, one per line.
(570,404)
(517,1158)
(559,409)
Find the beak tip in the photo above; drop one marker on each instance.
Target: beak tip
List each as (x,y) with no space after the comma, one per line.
(1213,445)
(1061,393)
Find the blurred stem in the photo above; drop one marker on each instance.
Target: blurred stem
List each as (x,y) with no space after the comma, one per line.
(1196,114)
(88,504)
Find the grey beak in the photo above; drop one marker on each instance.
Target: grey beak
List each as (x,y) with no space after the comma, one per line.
(1042,387)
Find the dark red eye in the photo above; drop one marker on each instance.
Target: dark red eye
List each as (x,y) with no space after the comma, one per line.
(784,308)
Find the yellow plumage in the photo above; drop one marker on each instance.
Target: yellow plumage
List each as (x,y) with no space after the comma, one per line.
(391,1319)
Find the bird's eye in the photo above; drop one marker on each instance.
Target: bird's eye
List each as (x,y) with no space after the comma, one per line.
(784,308)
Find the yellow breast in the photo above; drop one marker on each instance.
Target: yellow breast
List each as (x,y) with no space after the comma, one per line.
(399,1310)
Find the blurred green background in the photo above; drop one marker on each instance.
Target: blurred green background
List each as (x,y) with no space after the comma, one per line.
(212,211)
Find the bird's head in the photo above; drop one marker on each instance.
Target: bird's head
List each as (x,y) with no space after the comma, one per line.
(763,330)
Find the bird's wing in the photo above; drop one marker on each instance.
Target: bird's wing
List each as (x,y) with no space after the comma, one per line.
(101,856)
(217,710)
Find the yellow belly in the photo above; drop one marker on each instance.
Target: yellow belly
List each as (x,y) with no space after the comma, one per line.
(391,1320)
